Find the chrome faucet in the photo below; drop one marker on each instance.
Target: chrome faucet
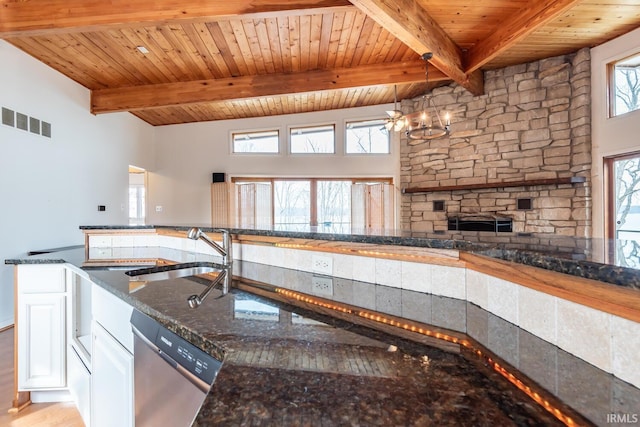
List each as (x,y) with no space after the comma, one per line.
(224,277)
(225,250)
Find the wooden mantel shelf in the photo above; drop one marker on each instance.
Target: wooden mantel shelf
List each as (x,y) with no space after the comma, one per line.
(524,183)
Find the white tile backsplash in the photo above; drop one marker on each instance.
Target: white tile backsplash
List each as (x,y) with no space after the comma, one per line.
(503,299)
(388,272)
(625,346)
(448,281)
(537,313)
(477,288)
(364,269)
(416,276)
(585,332)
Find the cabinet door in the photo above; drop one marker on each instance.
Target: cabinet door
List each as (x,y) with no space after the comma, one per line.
(41,340)
(111,381)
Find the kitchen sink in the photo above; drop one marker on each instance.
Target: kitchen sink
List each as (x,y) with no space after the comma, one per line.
(169,272)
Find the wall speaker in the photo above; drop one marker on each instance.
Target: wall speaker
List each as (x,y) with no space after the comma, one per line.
(218,177)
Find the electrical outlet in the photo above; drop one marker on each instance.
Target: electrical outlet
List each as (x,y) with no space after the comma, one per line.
(322,285)
(322,264)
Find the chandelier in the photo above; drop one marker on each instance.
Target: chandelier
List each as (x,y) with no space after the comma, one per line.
(427,123)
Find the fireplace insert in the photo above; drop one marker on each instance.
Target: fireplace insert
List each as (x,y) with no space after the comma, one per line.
(480,223)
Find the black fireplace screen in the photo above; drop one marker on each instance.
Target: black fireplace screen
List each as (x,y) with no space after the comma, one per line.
(496,224)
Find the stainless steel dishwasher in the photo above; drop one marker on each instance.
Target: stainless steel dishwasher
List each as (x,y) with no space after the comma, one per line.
(172,376)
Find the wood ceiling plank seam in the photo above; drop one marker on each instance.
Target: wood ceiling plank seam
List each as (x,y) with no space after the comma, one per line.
(396,51)
(217,49)
(164,66)
(255,47)
(264,43)
(114,51)
(186,48)
(305,42)
(187,53)
(375,44)
(356,31)
(205,48)
(221,33)
(165,52)
(337,26)
(315,42)
(294,43)
(244,47)
(361,46)
(326,31)
(383,46)
(274,44)
(88,50)
(285,47)
(515,28)
(55,59)
(127,41)
(345,35)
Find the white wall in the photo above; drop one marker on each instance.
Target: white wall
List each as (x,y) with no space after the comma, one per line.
(187,154)
(49,187)
(610,136)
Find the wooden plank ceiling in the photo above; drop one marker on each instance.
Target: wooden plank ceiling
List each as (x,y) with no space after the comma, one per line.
(216,60)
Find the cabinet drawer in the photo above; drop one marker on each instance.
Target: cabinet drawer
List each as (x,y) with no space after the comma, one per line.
(41,279)
(113,314)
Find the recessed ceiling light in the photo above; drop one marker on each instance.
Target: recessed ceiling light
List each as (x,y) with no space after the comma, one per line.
(142,49)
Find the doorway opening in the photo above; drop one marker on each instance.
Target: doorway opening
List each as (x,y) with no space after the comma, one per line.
(137,195)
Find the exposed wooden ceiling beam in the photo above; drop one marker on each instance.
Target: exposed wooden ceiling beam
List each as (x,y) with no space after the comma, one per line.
(412,25)
(527,20)
(41,17)
(170,94)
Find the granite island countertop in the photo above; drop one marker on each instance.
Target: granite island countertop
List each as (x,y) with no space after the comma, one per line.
(285,365)
(581,257)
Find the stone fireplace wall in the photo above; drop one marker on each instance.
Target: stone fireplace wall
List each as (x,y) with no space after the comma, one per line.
(533,122)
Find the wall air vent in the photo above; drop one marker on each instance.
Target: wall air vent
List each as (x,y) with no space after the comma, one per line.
(480,223)
(24,122)
(8,117)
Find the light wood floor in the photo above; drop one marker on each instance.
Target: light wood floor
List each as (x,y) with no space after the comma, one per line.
(37,414)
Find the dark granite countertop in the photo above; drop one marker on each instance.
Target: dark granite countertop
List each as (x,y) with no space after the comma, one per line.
(579,257)
(286,365)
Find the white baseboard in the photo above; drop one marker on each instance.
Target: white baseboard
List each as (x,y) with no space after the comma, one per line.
(6,323)
(51,396)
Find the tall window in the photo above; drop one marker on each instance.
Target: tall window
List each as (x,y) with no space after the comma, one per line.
(292,203)
(332,205)
(624,208)
(256,142)
(367,137)
(625,82)
(312,140)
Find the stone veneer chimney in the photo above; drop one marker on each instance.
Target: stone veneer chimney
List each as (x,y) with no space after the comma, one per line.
(533,122)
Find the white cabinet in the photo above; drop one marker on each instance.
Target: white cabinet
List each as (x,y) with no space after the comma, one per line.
(111,361)
(111,381)
(41,327)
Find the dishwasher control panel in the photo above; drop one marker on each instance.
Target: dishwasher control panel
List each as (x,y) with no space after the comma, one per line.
(196,361)
(180,351)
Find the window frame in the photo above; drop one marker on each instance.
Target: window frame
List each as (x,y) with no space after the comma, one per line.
(345,127)
(611,85)
(311,126)
(255,153)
